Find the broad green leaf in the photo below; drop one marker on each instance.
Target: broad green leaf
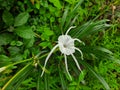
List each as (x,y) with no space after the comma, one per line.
(17,79)
(13,50)
(24,32)
(29,42)
(5,38)
(7,18)
(21,19)
(44,44)
(4,60)
(48,32)
(56,3)
(37,5)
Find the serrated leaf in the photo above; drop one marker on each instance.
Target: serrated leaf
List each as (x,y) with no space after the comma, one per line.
(29,42)
(24,32)
(7,18)
(5,38)
(21,19)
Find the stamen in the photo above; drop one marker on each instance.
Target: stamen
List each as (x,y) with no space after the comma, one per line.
(69,29)
(67,67)
(48,58)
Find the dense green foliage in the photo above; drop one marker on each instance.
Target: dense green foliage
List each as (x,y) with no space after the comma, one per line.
(29,30)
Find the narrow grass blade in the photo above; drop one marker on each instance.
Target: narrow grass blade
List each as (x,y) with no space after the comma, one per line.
(46,82)
(89,28)
(72,15)
(17,79)
(62,79)
(38,80)
(96,75)
(64,18)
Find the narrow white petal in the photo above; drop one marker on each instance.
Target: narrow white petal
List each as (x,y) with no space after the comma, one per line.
(79,41)
(76,63)
(80,52)
(67,67)
(48,58)
(69,29)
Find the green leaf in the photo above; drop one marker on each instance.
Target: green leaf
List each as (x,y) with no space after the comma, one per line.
(95,74)
(38,80)
(48,32)
(17,43)
(4,60)
(103,50)
(72,15)
(64,18)
(13,50)
(29,42)
(24,32)
(21,19)
(44,44)
(62,79)
(89,28)
(5,38)
(56,3)
(7,18)
(17,79)
(46,82)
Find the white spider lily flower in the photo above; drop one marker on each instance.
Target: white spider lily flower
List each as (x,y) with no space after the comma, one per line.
(67,47)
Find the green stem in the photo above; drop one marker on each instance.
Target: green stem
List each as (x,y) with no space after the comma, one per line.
(19,62)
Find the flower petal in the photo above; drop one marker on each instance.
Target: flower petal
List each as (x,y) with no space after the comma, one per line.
(76,63)
(80,52)
(48,58)
(79,41)
(67,67)
(69,29)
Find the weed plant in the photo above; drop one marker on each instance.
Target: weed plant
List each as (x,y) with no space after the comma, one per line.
(29,29)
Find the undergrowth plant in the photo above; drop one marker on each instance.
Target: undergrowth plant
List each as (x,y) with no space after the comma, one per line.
(27,36)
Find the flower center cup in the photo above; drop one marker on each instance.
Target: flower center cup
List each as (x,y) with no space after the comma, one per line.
(66,44)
